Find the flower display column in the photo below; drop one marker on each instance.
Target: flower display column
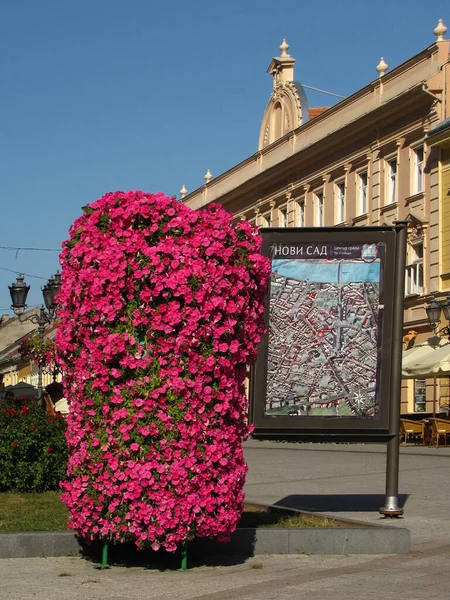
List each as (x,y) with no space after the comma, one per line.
(160,315)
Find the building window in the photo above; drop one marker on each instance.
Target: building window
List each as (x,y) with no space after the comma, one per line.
(300,217)
(392,181)
(340,202)
(418,170)
(414,271)
(319,209)
(282,212)
(420,395)
(363,179)
(265,220)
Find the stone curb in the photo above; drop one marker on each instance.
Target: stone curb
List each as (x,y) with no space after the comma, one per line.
(248,542)
(367,540)
(29,544)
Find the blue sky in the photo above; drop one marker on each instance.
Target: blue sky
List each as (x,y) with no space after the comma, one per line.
(323,271)
(100,95)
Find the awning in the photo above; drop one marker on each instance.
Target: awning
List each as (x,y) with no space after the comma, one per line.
(429,359)
(22,389)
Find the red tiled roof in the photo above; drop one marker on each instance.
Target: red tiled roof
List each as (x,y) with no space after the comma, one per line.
(315,111)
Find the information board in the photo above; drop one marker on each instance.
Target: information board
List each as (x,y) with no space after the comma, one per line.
(324,363)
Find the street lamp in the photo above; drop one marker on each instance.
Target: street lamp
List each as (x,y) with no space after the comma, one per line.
(434,310)
(19,291)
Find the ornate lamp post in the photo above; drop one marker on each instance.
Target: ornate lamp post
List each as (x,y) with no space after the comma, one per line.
(434,310)
(19,291)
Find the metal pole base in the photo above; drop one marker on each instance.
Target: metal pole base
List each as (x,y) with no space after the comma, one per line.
(184,566)
(391,509)
(104,563)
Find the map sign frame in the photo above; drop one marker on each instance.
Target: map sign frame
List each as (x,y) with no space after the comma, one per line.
(324,365)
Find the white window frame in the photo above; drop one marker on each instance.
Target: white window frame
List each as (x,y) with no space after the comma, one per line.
(414,275)
(363,192)
(392,180)
(266,219)
(282,216)
(418,174)
(300,210)
(340,190)
(318,208)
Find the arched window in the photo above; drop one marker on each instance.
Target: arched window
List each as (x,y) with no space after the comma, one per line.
(277,122)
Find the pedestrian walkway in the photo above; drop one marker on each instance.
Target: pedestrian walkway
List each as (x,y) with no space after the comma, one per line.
(348,481)
(343,480)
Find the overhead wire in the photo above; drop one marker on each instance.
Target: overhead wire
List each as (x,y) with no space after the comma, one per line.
(17,249)
(27,248)
(22,273)
(310,87)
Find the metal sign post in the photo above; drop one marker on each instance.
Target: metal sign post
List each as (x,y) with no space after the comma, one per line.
(391,507)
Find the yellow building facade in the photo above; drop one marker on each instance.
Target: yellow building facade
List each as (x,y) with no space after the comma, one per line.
(15,369)
(371,159)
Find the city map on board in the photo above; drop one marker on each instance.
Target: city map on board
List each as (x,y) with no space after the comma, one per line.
(323,331)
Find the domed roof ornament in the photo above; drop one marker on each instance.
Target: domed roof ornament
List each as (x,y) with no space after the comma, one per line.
(284,48)
(440,31)
(382,67)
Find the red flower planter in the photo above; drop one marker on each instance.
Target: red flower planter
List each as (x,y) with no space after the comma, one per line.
(160,314)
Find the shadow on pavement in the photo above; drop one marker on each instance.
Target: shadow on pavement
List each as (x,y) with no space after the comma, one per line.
(200,552)
(338,502)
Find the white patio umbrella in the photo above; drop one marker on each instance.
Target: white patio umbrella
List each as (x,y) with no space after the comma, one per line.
(431,358)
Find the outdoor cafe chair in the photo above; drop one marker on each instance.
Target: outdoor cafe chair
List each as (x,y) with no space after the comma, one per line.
(439,428)
(412,429)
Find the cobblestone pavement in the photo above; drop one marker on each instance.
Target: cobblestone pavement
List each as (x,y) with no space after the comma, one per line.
(346,481)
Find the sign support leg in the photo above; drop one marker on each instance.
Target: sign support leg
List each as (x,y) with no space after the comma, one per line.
(391,507)
(184,566)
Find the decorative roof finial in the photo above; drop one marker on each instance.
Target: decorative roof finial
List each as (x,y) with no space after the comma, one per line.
(183,191)
(440,31)
(284,48)
(382,67)
(208,176)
